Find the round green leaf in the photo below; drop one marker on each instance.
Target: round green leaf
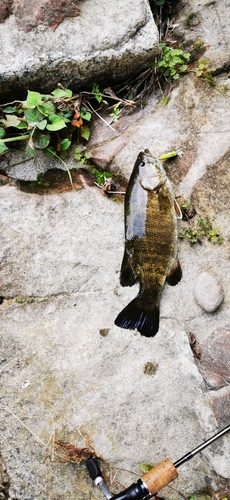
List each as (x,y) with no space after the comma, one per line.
(40,140)
(33,99)
(62,93)
(47,108)
(33,116)
(42,125)
(22,125)
(85,114)
(65,144)
(57,123)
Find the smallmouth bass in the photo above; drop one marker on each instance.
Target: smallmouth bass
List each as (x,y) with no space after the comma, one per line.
(150,254)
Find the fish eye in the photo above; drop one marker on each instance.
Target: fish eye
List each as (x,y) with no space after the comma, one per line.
(142,164)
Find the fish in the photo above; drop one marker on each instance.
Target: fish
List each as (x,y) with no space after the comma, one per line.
(150,254)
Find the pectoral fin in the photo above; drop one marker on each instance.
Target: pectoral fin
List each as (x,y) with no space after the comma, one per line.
(127,275)
(177,210)
(175,274)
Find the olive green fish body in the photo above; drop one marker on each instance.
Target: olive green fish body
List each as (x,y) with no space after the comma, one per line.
(150,255)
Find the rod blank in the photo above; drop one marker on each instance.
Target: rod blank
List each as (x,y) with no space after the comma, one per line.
(199,448)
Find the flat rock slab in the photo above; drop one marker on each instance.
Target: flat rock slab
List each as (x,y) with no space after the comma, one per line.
(106,41)
(65,366)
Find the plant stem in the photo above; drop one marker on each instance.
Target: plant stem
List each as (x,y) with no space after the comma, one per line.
(62,161)
(18,138)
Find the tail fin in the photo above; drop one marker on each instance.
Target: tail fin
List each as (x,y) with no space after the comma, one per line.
(135,316)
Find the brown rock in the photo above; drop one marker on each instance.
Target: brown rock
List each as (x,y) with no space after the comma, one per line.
(214,363)
(104,154)
(46,12)
(221,409)
(213,381)
(5,10)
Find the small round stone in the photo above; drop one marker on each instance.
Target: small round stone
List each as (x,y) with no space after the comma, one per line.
(208,292)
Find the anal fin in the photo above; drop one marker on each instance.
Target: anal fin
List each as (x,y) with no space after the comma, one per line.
(127,275)
(175,274)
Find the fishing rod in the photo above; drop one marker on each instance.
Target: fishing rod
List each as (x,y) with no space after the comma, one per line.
(152,481)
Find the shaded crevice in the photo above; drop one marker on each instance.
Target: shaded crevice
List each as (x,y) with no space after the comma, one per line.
(165,12)
(5,10)
(4,481)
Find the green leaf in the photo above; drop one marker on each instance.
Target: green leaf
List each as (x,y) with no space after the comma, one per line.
(85,132)
(47,108)
(46,97)
(22,125)
(67,114)
(50,151)
(145,467)
(85,114)
(66,119)
(97,94)
(3,148)
(2,132)
(40,139)
(160,2)
(63,154)
(42,125)
(33,116)
(10,109)
(33,99)
(57,123)
(77,153)
(62,93)
(65,144)
(30,151)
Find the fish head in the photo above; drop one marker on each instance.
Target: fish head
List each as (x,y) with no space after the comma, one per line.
(151,173)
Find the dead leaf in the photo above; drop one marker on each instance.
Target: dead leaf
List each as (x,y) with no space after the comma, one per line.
(72,453)
(193,344)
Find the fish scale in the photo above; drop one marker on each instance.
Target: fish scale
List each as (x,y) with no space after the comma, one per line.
(150,254)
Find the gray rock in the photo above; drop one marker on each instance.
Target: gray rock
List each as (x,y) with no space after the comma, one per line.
(208,292)
(196,21)
(60,260)
(107,41)
(65,366)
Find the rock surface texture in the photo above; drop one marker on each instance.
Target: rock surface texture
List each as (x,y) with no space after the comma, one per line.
(68,374)
(208,292)
(75,43)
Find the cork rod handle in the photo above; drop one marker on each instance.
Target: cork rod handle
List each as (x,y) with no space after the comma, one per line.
(160,476)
